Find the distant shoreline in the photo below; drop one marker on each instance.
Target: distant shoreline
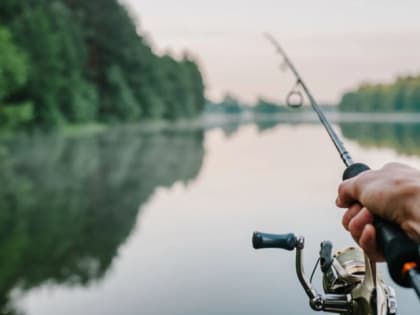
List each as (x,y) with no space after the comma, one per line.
(310,117)
(209,121)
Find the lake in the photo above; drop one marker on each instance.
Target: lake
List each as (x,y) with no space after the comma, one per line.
(158,222)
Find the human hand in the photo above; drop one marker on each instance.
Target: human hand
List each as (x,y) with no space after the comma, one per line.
(392,193)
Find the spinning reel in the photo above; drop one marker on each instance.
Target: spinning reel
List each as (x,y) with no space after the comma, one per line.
(350,282)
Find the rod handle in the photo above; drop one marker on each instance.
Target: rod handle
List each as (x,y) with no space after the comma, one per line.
(265,240)
(397,247)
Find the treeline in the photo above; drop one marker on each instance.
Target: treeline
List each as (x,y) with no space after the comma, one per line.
(264,106)
(401,96)
(77,61)
(228,105)
(231,105)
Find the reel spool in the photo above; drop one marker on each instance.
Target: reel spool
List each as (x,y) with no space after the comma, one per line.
(347,270)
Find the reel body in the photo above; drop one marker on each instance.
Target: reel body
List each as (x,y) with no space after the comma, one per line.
(350,282)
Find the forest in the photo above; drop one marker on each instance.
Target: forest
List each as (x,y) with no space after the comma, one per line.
(403,95)
(68,62)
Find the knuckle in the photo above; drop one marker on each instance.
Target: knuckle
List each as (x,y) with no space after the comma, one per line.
(392,165)
(354,231)
(367,216)
(408,187)
(398,180)
(341,189)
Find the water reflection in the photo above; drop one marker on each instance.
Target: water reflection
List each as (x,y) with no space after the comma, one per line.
(67,204)
(266,125)
(404,138)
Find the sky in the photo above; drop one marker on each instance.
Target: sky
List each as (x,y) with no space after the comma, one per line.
(336,45)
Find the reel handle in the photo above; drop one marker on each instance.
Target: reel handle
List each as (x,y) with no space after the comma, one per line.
(265,240)
(397,247)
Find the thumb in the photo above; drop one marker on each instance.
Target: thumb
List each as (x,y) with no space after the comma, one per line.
(347,194)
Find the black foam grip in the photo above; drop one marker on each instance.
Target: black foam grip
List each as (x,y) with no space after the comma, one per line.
(396,246)
(354,170)
(265,240)
(398,249)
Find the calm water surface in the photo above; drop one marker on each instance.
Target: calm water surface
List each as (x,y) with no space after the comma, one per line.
(134,222)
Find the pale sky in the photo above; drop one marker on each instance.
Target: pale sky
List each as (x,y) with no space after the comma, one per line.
(335,44)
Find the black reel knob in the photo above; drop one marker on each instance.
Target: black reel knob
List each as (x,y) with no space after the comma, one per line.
(265,240)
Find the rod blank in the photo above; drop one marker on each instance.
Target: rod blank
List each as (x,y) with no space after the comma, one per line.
(344,154)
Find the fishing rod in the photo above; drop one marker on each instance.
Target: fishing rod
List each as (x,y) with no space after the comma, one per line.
(345,156)
(402,254)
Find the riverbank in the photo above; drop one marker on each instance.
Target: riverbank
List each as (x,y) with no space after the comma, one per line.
(212,121)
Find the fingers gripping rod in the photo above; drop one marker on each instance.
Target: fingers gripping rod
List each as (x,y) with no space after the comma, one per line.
(344,154)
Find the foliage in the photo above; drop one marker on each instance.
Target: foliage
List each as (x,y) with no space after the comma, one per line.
(401,96)
(121,102)
(264,106)
(13,66)
(80,61)
(229,105)
(13,75)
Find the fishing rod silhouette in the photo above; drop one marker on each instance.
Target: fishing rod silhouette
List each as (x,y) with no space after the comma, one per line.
(402,254)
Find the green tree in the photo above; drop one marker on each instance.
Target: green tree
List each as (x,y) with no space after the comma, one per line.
(56,81)
(13,75)
(13,65)
(87,60)
(120,101)
(402,95)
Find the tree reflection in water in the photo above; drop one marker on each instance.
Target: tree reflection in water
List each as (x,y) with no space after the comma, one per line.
(404,138)
(68,203)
